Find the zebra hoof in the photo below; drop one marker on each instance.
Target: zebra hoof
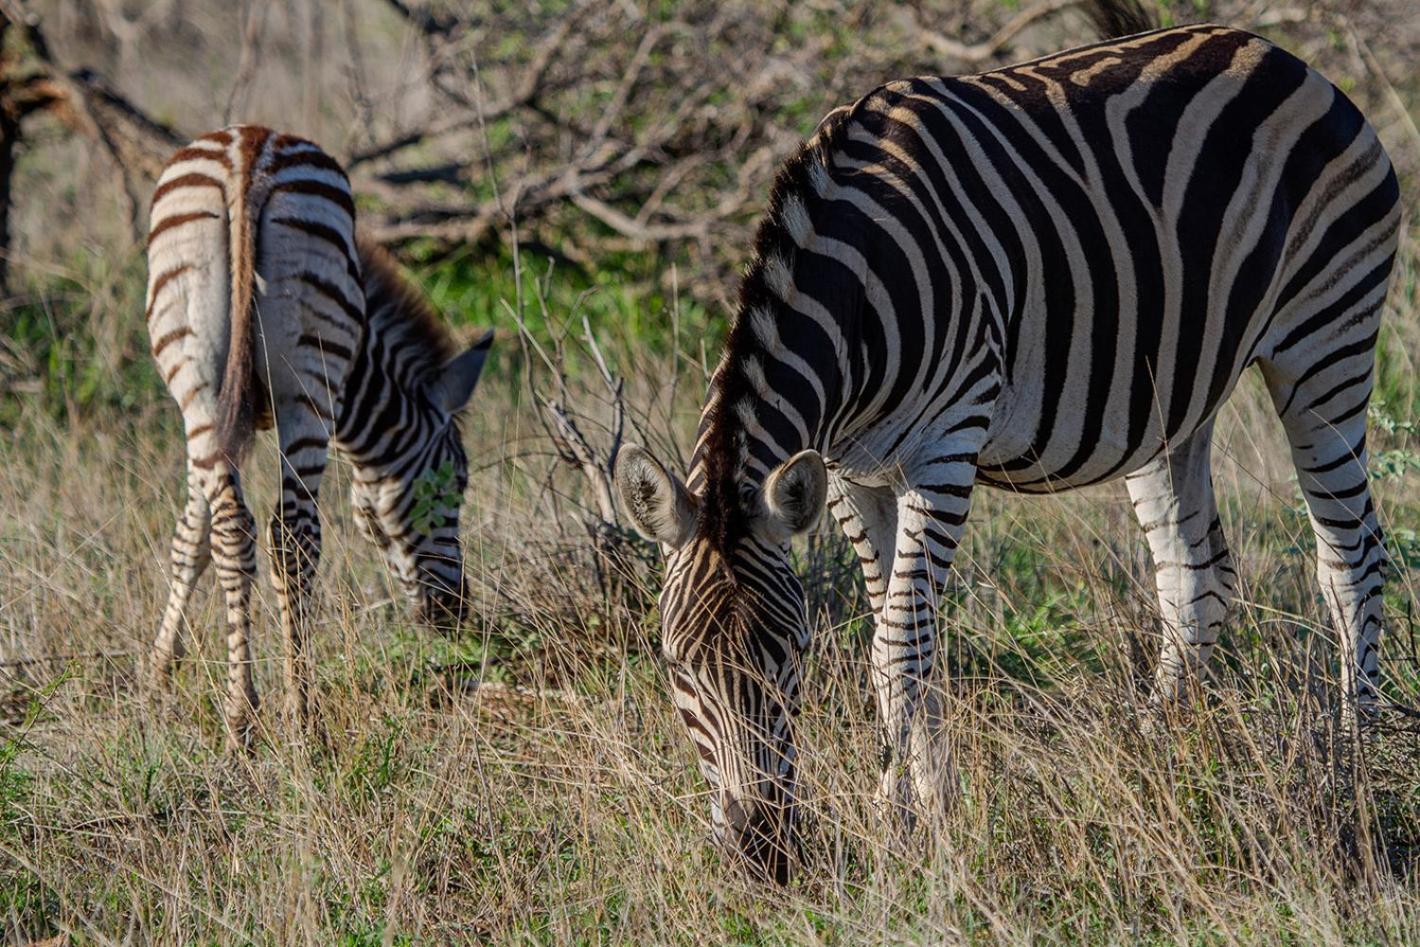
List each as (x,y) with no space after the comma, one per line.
(241,725)
(917,795)
(1360,718)
(240,742)
(155,676)
(302,724)
(896,803)
(157,689)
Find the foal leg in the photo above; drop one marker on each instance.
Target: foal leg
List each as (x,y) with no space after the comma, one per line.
(191,553)
(295,544)
(311,321)
(234,555)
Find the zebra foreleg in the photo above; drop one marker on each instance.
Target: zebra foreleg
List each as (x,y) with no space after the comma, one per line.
(930,518)
(191,553)
(1173,498)
(868,518)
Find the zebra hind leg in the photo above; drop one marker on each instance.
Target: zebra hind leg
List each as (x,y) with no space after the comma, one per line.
(234,555)
(191,553)
(1173,499)
(1324,413)
(295,551)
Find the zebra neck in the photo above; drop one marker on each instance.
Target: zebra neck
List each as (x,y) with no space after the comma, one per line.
(745,454)
(747,430)
(386,416)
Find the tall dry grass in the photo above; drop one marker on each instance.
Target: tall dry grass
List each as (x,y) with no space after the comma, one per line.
(529,783)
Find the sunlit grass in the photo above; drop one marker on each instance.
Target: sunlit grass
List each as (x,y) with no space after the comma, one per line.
(560,804)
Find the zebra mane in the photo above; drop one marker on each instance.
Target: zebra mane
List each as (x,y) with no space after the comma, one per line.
(401,316)
(722,449)
(1113,19)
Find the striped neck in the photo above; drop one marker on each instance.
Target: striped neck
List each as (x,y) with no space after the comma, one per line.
(388,416)
(784,376)
(766,403)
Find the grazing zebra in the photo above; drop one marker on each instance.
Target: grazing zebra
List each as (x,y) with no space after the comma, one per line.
(1037,278)
(263,308)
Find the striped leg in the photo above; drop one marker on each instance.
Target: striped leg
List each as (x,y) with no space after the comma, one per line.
(310,326)
(1325,417)
(295,552)
(191,553)
(868,518)
(930,518)
(1173,498)
(234,554)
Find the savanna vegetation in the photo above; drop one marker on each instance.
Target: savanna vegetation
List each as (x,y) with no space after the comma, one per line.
(583,176)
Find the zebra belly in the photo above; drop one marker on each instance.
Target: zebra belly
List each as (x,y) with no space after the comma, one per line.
(1007,460)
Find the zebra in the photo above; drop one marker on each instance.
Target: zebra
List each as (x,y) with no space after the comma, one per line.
(1036,278)
(265,309)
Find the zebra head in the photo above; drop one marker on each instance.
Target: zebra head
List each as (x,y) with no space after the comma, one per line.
(734,630)
(410,509)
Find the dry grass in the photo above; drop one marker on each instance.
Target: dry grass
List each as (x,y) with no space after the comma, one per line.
(530,782)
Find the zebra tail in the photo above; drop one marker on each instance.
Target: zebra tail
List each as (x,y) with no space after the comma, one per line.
(236,400)
(1115,18)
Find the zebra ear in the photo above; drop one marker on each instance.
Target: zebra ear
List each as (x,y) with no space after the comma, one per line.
(459,376)
(794,495)
(659,505)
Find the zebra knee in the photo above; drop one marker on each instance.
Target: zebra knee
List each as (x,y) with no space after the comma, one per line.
(1195,611)
(233,530)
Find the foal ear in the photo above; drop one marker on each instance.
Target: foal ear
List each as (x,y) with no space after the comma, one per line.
(659,505)
(459,376)
(794,495)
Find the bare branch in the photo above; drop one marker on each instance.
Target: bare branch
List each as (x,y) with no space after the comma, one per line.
(526,93)
(137,144)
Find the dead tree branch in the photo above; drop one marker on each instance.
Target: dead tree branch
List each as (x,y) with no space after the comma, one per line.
(137,144)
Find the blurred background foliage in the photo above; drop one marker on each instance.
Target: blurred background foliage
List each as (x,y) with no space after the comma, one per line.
(607,156)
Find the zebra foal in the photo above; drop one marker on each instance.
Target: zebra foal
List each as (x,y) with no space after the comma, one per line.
(1037,278)
(264,309)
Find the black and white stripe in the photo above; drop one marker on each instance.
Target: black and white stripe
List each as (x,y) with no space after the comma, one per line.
(1037,278)
(263,309)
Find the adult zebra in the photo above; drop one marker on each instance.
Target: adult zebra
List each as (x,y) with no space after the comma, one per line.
(1037,278)
(263,308)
